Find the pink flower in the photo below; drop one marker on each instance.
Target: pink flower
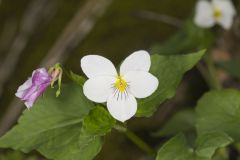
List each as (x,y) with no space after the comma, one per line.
(34,87)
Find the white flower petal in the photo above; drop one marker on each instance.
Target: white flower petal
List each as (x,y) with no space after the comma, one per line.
(94,65)
(28,104)
(228,12)
(137,61)
(204,14)
(122,108)
(98,89)
(141,84)
(23,87)
(225,6)
(226,21)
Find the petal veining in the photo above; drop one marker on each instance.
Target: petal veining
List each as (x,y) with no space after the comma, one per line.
(141,84)
(41,76)
(123,108)
(22,89)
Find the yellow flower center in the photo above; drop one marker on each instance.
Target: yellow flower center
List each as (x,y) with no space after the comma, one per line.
(217,13)
(121,84)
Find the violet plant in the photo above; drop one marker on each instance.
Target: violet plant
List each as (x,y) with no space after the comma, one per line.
(72,125)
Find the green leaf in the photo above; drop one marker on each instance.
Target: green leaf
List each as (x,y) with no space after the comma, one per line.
(14,155)
(231,66)
(98,122)
(53,127)
(11,156)
(177,148)
(188,38)
(208,143)
(219,111)
(80,80)
(183,121)
(169,70)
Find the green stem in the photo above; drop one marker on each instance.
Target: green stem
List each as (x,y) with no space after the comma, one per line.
(212,72)
(209,72)
(136,140)
(205,74)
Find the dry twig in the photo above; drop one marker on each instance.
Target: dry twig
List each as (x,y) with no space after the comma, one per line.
(160,17)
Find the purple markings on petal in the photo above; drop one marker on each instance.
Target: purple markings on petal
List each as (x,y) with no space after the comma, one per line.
(22,89)
(34,87)
(40,76)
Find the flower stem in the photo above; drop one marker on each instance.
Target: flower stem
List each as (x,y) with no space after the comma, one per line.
(136,140)
(212,72)
(202,69)
(209,73)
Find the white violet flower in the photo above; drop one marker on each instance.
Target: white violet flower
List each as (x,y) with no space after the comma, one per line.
(119,90)
(219,12)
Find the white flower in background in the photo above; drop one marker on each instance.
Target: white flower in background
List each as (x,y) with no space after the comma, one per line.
(219,12)
(119,90)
